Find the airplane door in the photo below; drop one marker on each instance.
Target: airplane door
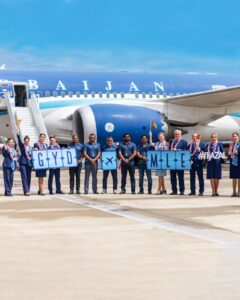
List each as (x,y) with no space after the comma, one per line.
(20,92)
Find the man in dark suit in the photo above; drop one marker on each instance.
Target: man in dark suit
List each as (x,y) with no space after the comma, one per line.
(197,165)
(178,144)
(54,172)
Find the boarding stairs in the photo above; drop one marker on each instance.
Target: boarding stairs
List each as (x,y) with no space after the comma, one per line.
(26,120)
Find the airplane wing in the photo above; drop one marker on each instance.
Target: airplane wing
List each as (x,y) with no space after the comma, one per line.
(209,99)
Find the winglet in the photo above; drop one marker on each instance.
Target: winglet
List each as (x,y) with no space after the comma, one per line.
(2,67)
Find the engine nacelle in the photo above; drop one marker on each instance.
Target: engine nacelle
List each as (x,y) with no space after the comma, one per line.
(115,120)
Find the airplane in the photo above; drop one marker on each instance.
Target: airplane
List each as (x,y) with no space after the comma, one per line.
(109,161)
(113,103)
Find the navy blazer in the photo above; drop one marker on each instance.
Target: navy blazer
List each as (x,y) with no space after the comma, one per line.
(219,147)
(35,146)
(182,145)
(55,147)
(23,160)
(7,162)
(202,149)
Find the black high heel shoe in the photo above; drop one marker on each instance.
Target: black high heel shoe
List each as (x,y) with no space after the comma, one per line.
(41,193)
(163,192)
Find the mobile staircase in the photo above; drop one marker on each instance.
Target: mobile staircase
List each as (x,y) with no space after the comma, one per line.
(25,120)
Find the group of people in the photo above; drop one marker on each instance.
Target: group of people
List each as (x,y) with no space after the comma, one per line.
(130,156)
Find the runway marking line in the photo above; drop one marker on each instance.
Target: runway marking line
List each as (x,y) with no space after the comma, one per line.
(193,232)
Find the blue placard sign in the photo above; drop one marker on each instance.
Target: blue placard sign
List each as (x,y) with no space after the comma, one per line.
(109,160)
(168,160)
(69,157)
(54,158)
(183,160)
(40,159)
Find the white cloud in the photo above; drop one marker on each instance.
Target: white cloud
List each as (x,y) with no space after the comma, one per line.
(30,58)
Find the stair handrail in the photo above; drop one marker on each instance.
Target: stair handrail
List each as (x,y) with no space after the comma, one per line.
(37,116)
(11,113)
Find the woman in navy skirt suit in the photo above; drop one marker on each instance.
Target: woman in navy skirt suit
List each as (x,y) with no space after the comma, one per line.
(25,163)
(214,167)
(41,145)
(233,153)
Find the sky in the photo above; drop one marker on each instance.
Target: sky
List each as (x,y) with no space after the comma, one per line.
(174,36)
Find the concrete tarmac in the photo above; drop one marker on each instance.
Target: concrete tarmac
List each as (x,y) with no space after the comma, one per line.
(140,247)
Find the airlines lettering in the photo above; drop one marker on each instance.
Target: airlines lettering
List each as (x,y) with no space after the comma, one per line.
(33,84)
(158,85)
(85,85)
(133,87)
(109,86)
(60,86)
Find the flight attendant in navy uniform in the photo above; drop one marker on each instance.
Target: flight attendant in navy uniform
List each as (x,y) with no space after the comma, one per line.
(234,155)
(127,152)
(54,172)
(214,167)
(178,144)
(25,163)
(9,165)
(195,148)
(41,145)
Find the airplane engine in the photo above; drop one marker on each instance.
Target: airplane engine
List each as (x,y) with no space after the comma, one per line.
(115,120)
